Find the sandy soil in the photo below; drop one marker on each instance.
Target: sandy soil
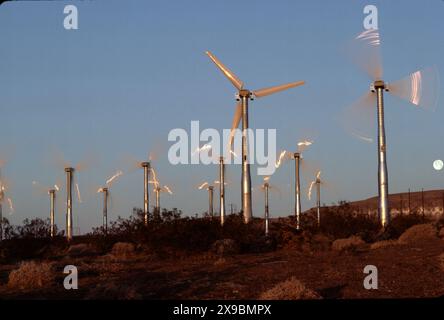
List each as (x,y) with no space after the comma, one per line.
(405,271)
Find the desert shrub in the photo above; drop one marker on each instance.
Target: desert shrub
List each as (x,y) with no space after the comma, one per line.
(290,289)
(81,249)
(341,221)
(169,230)
(225,247)
(383,244)
(123,250)
(31,275)
(418,233)
(401,223)
(351,243)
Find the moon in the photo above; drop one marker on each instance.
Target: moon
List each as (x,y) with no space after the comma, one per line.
(438,165)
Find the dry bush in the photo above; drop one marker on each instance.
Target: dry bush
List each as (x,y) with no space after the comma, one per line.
(123,250)
(320,242)
(418,233)
(350,243)
(290,289)
(383,244)
(81,249)
(225,247)
(31,275)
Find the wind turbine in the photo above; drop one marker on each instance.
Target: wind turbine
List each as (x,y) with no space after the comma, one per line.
(418,88)
(3,198)
(210,190)
(148,175)
(297,157)
(241,112)
(105,191)
(266,186)
(316,182)
(157,190)
(71,183)
(51,191)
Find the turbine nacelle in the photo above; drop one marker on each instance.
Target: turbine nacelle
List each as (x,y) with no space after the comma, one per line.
(378,84)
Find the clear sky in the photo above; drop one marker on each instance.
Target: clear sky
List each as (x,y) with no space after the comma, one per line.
(134,70)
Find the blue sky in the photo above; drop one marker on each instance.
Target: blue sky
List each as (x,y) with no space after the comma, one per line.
(136,69)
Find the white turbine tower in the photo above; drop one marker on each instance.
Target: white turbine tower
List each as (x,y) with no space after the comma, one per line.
(243,96)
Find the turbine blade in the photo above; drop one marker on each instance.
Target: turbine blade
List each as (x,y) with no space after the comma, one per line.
(227,72)
(365,52)
(267,91)
(420,88)
(235,124)
(360,117)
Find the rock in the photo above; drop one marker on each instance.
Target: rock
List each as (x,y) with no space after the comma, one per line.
(290,289)
(225,247)
(81,249)
(417,233)
(351,243)
(123,250)
(441,233)
(383,244)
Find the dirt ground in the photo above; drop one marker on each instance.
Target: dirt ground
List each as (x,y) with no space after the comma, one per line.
(404,271)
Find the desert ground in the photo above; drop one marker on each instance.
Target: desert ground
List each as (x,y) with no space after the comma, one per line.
(289,264)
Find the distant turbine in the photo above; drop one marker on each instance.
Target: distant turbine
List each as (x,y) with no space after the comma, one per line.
(297,156)
(210,189)
(242,113)
(146,198)
(69,183)
(52,196)
(316,182)
(105,192)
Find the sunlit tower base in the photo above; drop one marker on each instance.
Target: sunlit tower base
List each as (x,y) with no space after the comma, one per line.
(69,227)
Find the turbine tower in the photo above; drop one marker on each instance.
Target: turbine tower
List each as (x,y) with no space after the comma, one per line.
(2,196)
(210,201)
(316,182)
(267,214)
(419,88)
(297,189)
(105,192)
(69,176)
(52,197)
(318,200)
(146,200)
(243,96)
(222,190)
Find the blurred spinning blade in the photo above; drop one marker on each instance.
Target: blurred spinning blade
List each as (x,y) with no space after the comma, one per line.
(359,118)
(421,88)
(235,124)
(365,52)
